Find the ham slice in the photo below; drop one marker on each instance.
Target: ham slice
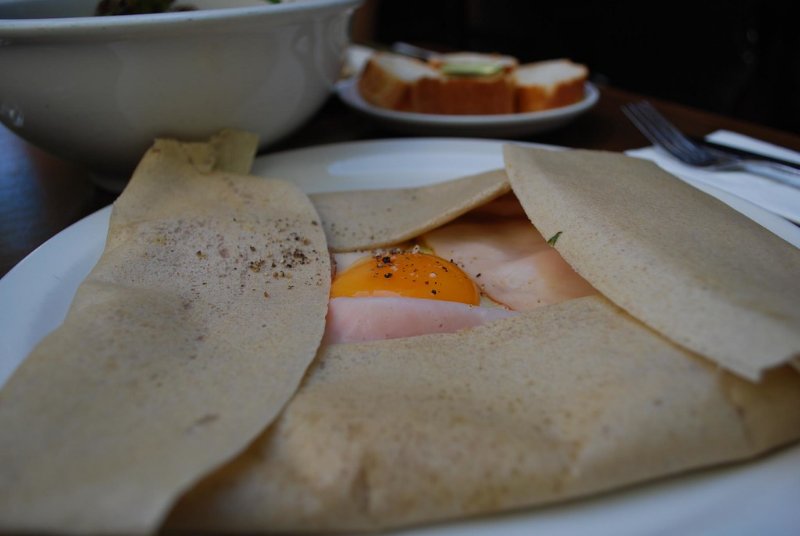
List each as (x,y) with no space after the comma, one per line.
(377,318)
(510,260)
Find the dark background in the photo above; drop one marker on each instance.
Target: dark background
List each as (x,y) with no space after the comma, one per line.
(739,57)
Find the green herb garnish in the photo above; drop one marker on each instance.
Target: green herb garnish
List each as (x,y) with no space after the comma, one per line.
(553,239)
(471,69)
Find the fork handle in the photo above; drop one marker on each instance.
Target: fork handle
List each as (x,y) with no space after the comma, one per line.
(778,172)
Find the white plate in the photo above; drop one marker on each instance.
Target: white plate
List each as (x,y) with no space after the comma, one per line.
(751,498)
(494,126)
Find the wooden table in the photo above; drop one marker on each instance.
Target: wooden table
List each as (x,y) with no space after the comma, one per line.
(40,194)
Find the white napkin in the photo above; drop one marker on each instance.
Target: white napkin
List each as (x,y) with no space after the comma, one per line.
(761,191)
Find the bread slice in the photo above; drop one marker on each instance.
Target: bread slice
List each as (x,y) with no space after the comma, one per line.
(549,84)
(474,83)
(388,79)
(470,83)
(481,95)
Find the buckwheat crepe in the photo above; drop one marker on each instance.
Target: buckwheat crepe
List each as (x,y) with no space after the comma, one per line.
(378,218)
(556,403)
(559,402)
(679,260)
(185,341)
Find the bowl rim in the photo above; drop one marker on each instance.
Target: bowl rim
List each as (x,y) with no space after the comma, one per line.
(42,27)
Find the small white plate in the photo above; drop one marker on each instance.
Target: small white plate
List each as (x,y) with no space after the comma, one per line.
(492,126)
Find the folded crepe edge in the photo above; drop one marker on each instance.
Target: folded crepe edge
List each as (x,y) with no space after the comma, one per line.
(332,463)
(227,156)
(606,217)
(368,219)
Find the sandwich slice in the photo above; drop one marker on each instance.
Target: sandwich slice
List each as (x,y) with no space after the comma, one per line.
(473,84)
(389,79)
(549,84)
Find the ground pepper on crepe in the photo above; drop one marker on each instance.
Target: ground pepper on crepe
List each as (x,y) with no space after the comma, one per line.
(178,349)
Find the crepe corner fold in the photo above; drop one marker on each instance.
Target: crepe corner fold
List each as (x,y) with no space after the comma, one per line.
(376,218)
(675,258)
(180,346)
(556,403)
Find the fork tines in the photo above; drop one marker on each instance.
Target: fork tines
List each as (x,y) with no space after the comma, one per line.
(664,134)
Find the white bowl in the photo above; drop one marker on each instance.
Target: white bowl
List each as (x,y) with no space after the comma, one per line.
(98,90)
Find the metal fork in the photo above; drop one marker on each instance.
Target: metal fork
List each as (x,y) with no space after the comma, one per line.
(407,49)
(666,136)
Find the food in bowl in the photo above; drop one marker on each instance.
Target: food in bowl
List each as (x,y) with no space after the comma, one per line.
(138,7)
(470,83)
(98,90)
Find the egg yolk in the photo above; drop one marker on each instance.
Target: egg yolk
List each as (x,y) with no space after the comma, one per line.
(412,275)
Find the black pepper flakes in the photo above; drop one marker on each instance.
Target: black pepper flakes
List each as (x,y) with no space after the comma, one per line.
(256,266)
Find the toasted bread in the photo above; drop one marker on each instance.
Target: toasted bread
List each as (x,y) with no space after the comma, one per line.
(464,95)
(471,83)
(388,79)
(549,84)
(474,83)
